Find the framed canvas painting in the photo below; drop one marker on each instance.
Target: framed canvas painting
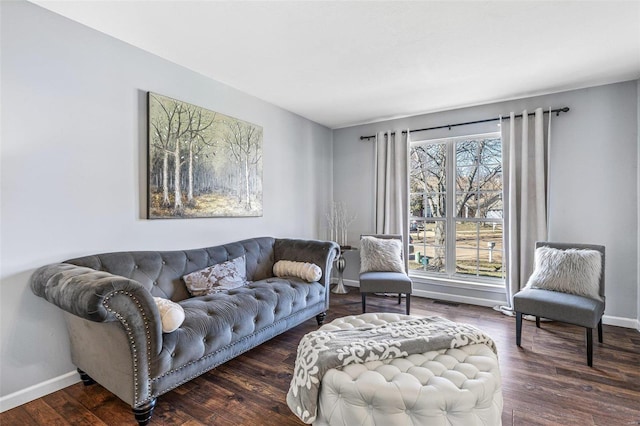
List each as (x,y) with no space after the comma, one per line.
(201,163)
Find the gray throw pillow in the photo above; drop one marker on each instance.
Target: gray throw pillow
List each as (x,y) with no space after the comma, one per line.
(569,271)
(380,255)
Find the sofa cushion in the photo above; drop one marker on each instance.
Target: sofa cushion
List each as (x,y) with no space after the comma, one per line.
(564,307)
(398,282)
(215,321)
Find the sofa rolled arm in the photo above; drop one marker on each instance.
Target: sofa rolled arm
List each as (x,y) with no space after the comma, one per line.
(103,297)
(322,253)
(82,291)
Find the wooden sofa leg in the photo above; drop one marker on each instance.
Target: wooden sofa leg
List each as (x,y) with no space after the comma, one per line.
(320,318)
(589,347)
(518,328)
(408,303)
(86,379)
(364,302)
(537,322)
(143,414)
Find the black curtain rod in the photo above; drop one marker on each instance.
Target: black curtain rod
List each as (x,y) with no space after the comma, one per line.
(449,126)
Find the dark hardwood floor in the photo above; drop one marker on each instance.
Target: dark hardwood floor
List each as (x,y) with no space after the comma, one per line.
(547,382)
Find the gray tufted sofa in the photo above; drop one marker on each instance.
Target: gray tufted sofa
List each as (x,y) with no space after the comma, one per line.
(115,328)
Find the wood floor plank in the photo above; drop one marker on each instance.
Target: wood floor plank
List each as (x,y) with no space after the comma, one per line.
(200,413)
(42,413)
(538,418)
(103,404)
(71,410)
(545,383)
(19,416)
(169,415)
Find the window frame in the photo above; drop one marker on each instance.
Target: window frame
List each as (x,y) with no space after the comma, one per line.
(451,219)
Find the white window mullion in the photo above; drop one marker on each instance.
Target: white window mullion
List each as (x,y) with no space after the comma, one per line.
(478,247)
(451,208)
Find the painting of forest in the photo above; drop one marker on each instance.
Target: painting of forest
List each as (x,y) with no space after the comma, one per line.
(201,163)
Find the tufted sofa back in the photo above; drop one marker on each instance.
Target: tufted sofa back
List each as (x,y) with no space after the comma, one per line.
(161,271)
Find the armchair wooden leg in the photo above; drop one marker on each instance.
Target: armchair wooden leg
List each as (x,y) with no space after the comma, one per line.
(600,331)
(518,328)
(408,303)
(364,302)
(538,322)
(399,298)
(590,347)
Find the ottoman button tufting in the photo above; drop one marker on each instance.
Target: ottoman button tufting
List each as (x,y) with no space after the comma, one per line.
(342,395)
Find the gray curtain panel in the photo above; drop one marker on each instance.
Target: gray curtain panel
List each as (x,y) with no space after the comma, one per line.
(525,162)
(392,184)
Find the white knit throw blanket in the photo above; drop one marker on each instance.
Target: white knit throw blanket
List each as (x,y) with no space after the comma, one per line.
(319,351)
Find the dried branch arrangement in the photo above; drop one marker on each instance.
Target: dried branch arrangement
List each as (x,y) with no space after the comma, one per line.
(339,220)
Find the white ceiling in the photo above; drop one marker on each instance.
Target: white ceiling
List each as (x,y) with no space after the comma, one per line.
(341,63)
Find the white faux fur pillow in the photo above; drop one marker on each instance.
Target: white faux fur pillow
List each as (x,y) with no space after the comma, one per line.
(380,255)
(309,272)
(569,271)
(171,314)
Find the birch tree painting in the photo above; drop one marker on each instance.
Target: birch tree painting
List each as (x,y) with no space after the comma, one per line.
(201,163)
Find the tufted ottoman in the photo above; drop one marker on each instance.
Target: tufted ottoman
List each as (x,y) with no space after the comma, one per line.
(459,387)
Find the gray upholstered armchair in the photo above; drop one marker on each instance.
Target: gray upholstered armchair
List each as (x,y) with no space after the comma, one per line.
(563,306)
(381,279)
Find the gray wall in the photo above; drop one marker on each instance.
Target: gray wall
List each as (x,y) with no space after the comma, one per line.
(593,178)
(73,170)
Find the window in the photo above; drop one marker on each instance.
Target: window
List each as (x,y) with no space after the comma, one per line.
(455,226)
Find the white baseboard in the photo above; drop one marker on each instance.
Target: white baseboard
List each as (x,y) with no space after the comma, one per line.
(456,298)
(621,322)
(351,283)
(38,390)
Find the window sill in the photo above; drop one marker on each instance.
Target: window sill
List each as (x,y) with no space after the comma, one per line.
(484,285)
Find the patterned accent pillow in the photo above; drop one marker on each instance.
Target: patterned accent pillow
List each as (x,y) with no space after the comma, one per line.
(380,255)
(569,271)
(309,272)
(216,278)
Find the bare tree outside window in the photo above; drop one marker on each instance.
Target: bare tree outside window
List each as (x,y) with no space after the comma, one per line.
(201,163)
(428,188)
(465,236)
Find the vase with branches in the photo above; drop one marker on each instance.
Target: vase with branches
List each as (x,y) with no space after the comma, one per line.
(339,220)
